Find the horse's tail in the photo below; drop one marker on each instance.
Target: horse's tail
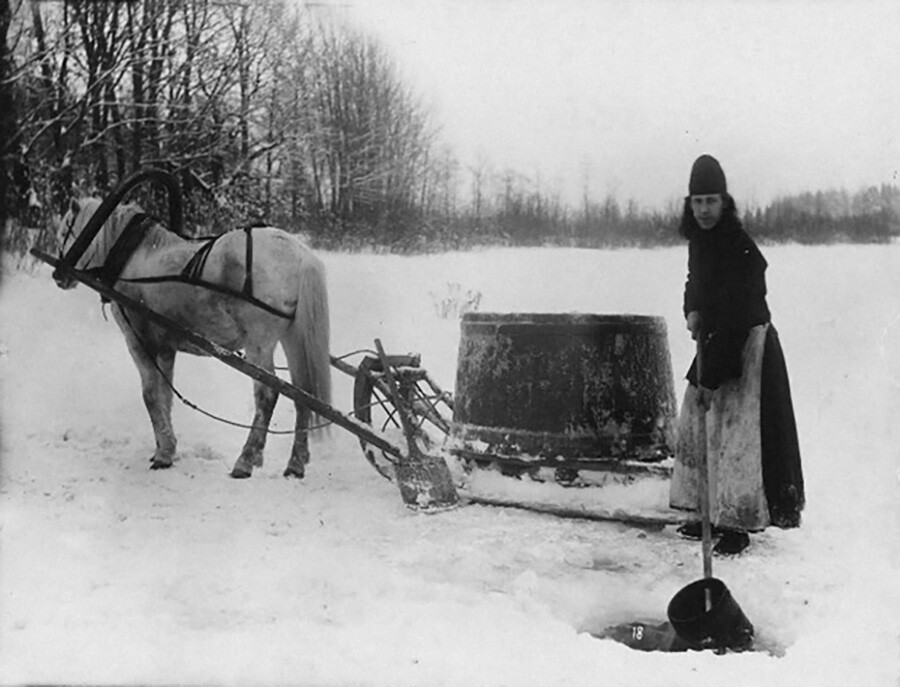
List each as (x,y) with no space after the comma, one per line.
(312,331)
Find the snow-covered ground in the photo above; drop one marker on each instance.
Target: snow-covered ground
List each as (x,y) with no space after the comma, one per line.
(113,573)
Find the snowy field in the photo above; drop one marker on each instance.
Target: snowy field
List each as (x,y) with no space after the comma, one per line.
(113,573)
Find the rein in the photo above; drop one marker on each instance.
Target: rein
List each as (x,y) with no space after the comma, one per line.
(193,406)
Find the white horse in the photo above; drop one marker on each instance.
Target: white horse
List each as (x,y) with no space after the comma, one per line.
(279,297)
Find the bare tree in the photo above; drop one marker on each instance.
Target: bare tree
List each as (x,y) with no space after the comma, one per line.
(7,118)
(367,138)
(261,110)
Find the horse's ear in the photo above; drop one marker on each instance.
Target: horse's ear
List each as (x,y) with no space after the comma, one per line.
(74,206)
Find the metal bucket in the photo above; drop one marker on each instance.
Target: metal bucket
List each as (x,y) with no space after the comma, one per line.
(551,388)
(723,626)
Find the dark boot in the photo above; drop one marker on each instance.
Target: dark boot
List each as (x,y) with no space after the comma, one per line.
(731,543)
(694,531)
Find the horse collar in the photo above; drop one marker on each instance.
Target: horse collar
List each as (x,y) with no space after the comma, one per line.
(248,279)
(131,237)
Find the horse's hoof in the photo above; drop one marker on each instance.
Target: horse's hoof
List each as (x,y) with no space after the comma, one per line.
(160,465)
(239,473)
(299,473)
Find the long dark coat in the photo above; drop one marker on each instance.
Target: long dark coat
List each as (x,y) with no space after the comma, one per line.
(726,284)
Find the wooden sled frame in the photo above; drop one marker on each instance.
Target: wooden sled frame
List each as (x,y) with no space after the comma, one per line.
(410,399)
(416,471)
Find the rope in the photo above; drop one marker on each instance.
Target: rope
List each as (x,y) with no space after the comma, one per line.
(389,412)
(356,352)
(336,357)
(195,407)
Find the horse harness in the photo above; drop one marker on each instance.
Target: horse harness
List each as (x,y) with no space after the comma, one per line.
(134,234)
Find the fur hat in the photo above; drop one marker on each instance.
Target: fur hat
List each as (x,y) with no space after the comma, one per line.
(707,177)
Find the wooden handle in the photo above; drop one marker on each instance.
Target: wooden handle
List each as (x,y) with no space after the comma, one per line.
(703,486)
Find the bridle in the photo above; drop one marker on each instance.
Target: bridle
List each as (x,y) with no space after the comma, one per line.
(69,237)
(69,234)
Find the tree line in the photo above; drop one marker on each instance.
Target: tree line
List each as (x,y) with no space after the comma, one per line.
(523,216)
(268,111)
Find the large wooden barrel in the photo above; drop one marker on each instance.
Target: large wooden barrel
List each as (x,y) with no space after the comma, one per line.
(585,391)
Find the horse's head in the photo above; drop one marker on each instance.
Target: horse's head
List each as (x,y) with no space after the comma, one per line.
(68,229)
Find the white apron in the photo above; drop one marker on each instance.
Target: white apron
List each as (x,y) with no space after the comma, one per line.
(737,497)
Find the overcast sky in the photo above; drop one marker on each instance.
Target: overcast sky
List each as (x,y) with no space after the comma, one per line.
(790,96)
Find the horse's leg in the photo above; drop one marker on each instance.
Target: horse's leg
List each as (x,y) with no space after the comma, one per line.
(305,340)
(296,466)
(294,351)
(157,397)
(265,397)
(165,361)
